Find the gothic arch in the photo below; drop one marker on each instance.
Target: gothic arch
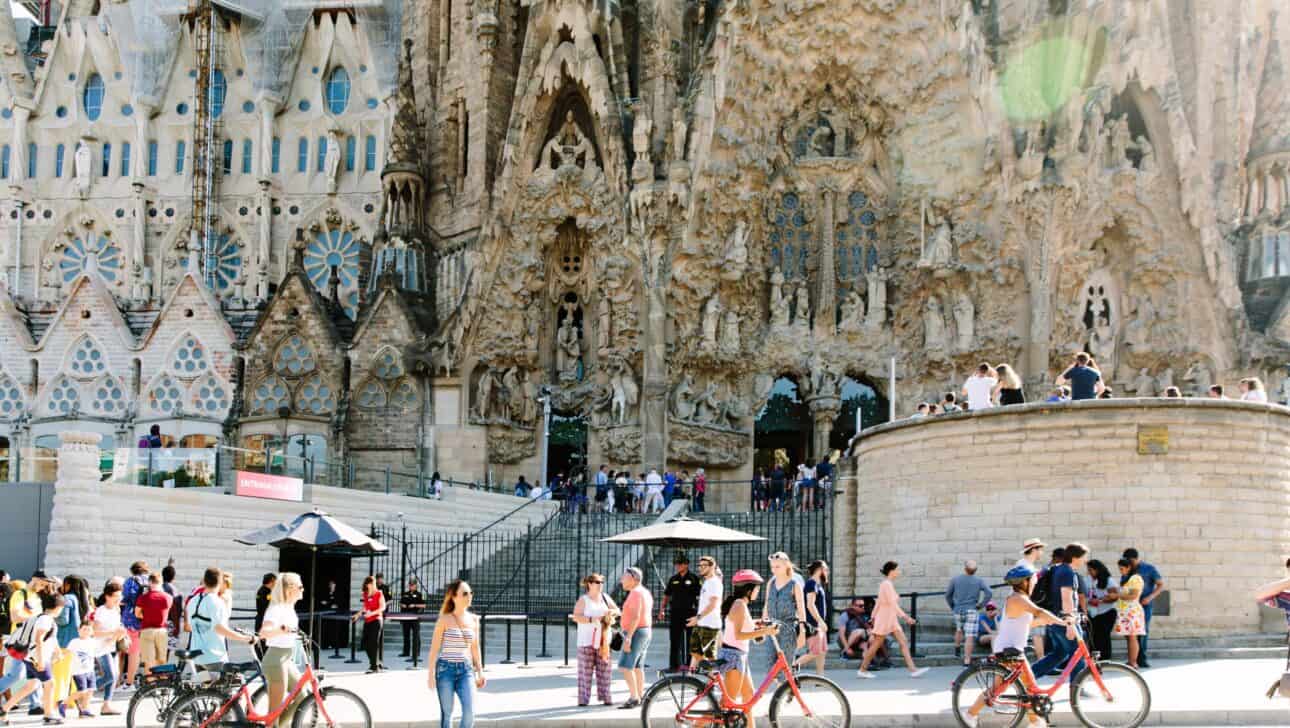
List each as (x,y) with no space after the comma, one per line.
(85,358)
(188,357)
(13,400)
(62,397)
(109,397)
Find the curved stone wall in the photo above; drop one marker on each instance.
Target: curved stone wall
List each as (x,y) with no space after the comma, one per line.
(1213,513)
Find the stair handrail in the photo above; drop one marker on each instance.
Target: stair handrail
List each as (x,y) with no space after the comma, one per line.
(524,561)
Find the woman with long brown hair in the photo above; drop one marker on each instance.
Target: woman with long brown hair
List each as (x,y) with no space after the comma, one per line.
(456,668)
(372,614)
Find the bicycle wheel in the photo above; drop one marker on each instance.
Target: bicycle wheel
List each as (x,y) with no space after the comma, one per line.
(1002,706)
(823,705)
(196,708)
(664,701)
(148,705)
(340,709)
(1125,704)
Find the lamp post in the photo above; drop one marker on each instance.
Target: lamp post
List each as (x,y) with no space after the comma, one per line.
(545,399)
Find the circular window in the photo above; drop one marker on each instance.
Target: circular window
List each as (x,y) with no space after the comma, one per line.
(192,73)
(369,207)
(31,214)
(277,210)
(362,68)
(7,113)
(47,214)
(87,360)
(127,110)
(303,105)
(170,212)
(120,212)
(117,75)
(294,358)
(372,103)
(242,211)
(152,212)
(71,77)
(181,108)
(248,107)
(61,112)
(315,397)
(294,210)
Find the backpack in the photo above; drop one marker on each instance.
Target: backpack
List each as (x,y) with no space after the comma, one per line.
(5,622)
(1042,592)
(19,643)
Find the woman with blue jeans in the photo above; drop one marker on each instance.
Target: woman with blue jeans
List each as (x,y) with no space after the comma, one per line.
(107,631)
(456,669)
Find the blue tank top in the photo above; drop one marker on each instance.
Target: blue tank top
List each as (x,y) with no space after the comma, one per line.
(779,601)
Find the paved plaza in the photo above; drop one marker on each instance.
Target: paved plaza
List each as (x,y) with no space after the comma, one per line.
(1184,693)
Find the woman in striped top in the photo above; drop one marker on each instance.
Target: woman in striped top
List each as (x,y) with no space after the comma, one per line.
(456,667)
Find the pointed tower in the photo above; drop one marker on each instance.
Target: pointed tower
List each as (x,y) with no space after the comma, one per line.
(402,241)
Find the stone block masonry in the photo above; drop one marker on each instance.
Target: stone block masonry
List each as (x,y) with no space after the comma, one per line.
(1211,514)
(98,529)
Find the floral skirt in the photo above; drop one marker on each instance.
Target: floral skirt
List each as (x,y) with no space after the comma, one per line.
(1130,620)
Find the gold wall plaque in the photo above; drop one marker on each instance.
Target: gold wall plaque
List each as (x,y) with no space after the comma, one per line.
(1153,439)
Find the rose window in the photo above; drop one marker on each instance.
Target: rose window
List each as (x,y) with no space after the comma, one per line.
(109,396)
(98,253)
(339,250)
(387,365)
(314,397)
(269,396)
(165,395)
(225,262)
(210,396)
(190,359)
(371,395)
(294,358)
(63,397)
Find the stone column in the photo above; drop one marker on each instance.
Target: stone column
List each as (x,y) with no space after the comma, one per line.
(1252,196)
(824,411)
(826,303)
(139,162)
(268,107)
(139,246)
(1272,194)
(18,160)
(264,241)
(654,389)
(77,516)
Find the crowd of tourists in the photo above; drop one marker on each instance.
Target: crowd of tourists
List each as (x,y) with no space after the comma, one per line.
(999,386)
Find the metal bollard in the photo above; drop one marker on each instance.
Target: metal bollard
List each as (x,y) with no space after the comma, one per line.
(913,630)
(353,646)
(508,660)
(566,643)
(526,640)
(544,652)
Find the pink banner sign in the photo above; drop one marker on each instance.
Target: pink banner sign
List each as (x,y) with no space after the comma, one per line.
(274,487)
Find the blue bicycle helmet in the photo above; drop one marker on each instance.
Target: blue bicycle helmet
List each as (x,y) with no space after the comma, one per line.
(1019,573)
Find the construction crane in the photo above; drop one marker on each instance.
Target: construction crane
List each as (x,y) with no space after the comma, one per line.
(204,20)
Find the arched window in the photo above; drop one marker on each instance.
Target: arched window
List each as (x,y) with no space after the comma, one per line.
(218,90)
(93,97)
(269,395)
(31,160)
(64,397)
(857,396)
(210,397)
(372,395)
(59,152)
(11,401)
(97,253)
(852,235)
(86,359)
(338,90)
(190,359)
(405,396)
(315,397)
(351,148)
(109,397)
(369,153)
(165,396)
(339,249)
(247,151)
(302,155)
(784,423)
(228,262)
(790,236)
(4,162)
(387,364)
(295,358)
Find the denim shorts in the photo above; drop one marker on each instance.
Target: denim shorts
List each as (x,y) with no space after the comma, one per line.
(734,660)
(640,645)
(84,682)
(34,674)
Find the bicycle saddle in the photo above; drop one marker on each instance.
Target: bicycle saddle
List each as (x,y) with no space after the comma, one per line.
(165,669)
(1009,653)
(232,668)
(710,665)
(187,654)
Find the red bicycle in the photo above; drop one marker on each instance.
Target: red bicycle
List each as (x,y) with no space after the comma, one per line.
(336,707)
(803,700)
(1003,689)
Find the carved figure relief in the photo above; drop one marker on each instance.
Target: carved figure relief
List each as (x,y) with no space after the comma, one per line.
(625,393)
(1100,318)
(736,258)
(1144,385)
(779,303)
(683,399)
(712,311)
(568,354)
(964,322)
(933,325)
(876,316)
(729,343)
(604,327)
(937,239)
(852,312)
(569,148)
(801,309)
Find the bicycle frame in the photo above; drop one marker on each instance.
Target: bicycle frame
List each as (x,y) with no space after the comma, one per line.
(307,679)
(728,704)
(1031,684)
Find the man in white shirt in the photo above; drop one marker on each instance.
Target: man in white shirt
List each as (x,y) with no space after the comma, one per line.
(653,492)
(979,388)
(705,635)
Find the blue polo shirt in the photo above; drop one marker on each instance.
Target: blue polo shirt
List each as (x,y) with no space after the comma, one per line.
(1083,382)
(1150,577)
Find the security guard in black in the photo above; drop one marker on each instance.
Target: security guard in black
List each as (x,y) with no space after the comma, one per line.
(682,593)
(412,601)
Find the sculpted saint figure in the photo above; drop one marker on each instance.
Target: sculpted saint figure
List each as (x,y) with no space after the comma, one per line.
(933,325)
(568,350)
(778,301)
(81,160)
(682,404)
(568,146)
(1144,385)
(852,311)
(877,313)
(711,319)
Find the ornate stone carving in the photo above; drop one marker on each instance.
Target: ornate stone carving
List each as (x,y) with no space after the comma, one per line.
(876,316)
(508,445)
(852,310)
(691,444)
(626,393)
(779,303)
(938,246)
(569,149)
(83,164)
(1198,374)
(712,311)
(729,340)
(621,445)
(933,326)
(735,262)
(964,322)
(1144,385)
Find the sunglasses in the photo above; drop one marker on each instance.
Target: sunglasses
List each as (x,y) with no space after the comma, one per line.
(596,581)
(466,594)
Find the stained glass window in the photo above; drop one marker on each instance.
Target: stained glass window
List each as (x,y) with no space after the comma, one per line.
(190,359)
(227,261)
(853,234)
(295,358)
(86,359)
(270,395)
(210,396)
(372,395)
(405,396)
(63,397)
(315,397)
(78,254)
(338,90)
(93,97)
(109,396)
(11,401)
(165,395)
(218,91)
(790,236)
(338,249)
(387,364)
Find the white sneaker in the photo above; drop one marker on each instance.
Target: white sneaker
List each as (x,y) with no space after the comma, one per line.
(968,719)
(865,674)
(919,672)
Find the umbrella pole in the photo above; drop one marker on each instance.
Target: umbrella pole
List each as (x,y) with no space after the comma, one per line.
(313,597)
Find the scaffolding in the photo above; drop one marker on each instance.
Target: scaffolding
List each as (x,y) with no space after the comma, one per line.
(207,48)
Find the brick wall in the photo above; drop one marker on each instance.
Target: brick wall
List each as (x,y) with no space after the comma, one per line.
(1211,514)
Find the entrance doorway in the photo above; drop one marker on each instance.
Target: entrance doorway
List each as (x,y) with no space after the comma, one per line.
(331,567)
(857,396)
(567,451)
(784,423)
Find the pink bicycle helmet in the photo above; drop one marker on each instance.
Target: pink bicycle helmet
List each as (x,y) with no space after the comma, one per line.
(747,576)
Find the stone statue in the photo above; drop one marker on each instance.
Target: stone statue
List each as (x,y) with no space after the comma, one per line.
(140,283)
(1137,333)
(736,259)
(484,395)
(1120,141)
(626,393)
(1165,380)
(778,301)
(1144,385)
(532,318)
(82,162)
(682,403)
(801,307)
(852,312)
(735,412)
(964,322)
(604,335)
(528,398)
(730,332)
(332,160)
(1200,377)
(933,325)
(642,167)
(707,406)
(570,148)
(1148,163)
(939,249)
(711,320)
(877,313)
(568,350)
(514,403)
(679,132)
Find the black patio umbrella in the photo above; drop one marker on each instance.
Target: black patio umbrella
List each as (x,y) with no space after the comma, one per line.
(314,531)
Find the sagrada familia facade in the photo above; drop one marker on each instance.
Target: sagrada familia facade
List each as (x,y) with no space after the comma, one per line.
(670,221)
